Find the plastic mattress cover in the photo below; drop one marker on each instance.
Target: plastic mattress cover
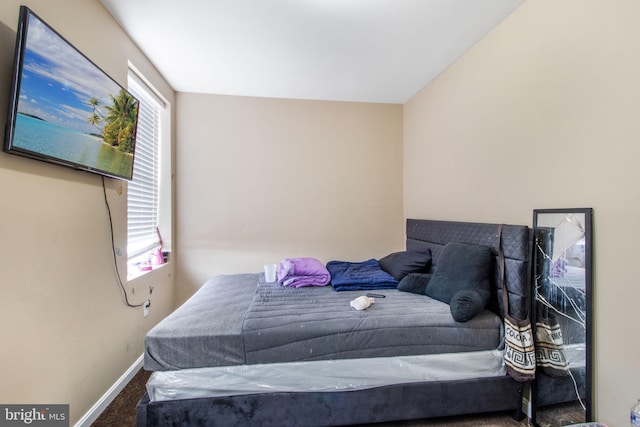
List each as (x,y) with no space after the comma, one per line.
(332,375)
(322,376)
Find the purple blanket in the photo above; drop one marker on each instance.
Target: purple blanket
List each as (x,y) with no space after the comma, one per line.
(299,272)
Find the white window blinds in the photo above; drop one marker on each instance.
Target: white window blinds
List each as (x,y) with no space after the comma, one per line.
(142,211)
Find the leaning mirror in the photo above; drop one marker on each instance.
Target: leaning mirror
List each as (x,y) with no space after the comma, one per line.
(562,312)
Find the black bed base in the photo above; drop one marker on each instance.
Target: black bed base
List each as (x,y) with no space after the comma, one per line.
(389,403)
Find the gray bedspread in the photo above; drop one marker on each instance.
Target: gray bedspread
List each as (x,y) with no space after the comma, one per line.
(236,320)
(204,331)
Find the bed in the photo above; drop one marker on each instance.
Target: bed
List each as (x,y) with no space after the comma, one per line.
(245,352)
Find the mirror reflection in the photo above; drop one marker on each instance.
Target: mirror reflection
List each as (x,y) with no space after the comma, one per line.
(562,281)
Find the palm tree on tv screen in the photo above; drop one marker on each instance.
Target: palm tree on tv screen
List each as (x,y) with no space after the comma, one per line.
(121,119)
(119,129)
(96,116)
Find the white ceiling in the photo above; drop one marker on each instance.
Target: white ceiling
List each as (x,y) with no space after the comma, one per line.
(343,50)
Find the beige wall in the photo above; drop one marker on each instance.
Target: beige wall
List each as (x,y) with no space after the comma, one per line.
(263,179)
(66,334)
(546,105)
(543,113)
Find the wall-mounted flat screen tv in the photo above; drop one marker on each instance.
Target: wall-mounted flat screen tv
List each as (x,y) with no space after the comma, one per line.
(64,109)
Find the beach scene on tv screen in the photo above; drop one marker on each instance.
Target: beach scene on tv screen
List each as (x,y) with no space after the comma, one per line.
(69,109)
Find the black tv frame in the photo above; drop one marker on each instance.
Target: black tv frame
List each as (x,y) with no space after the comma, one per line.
(115,157)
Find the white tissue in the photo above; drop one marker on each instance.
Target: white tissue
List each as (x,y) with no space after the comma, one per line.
(362,303)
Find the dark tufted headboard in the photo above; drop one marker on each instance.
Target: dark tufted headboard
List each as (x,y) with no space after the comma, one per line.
(516,242)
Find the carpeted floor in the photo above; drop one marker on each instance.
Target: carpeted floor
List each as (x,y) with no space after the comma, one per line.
(122,413)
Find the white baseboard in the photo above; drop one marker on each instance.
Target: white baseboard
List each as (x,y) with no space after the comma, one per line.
(111,394)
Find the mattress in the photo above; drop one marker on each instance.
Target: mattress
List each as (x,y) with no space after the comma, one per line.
(239,319)
(322,376)
(333,375)
(204,331)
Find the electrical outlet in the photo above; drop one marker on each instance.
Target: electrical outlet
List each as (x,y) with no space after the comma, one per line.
(145,308)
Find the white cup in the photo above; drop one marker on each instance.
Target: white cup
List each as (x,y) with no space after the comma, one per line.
(270,272)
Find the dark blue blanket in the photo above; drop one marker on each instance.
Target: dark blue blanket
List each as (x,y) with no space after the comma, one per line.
(354,276)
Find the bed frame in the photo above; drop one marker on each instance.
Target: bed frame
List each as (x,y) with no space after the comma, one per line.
(388,403)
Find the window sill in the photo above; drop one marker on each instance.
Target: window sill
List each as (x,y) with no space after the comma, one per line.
(134,273)
(145,263)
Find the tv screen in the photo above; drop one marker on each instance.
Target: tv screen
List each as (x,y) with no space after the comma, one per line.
(64,109)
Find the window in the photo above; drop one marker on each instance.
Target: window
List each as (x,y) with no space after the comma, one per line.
(143,204)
